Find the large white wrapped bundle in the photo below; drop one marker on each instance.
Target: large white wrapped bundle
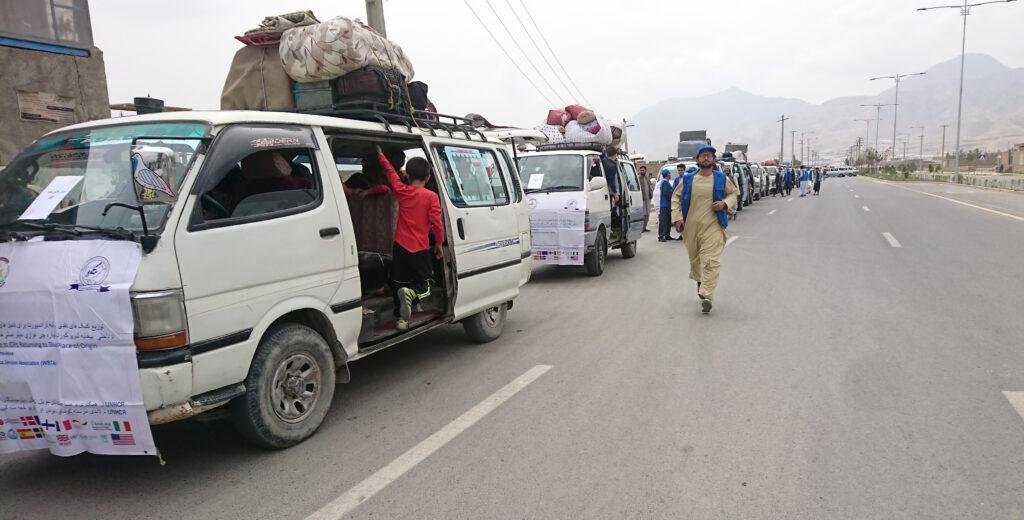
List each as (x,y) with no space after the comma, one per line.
(576,133)
(336,47)
(553,133)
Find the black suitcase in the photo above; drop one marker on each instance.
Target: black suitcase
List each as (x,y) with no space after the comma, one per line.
(372,87)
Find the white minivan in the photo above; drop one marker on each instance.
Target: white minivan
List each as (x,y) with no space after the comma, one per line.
(579,169)
(263,275)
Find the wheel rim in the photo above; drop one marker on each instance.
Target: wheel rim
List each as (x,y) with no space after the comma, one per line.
(296,388)
(492,317)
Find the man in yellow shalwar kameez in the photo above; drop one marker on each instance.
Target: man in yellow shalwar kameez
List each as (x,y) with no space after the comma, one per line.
(700,204)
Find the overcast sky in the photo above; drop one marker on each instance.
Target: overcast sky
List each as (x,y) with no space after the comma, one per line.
(624,56)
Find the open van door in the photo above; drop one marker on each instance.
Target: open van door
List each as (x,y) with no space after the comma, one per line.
(479,197)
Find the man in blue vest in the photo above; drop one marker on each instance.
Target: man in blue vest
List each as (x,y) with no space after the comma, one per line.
(805,180)
(665,206)
(700,205)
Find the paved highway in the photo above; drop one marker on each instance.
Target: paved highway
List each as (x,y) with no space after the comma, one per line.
(861,361)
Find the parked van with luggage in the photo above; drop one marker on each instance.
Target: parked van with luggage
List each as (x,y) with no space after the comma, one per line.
(263,276)
(555,171)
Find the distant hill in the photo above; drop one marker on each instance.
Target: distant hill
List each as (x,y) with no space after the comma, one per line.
(993,114)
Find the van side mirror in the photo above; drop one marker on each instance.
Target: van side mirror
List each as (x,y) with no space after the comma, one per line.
(598,183)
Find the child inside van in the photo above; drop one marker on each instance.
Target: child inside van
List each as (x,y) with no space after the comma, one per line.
(419,214)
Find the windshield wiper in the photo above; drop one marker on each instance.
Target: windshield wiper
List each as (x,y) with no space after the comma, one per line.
(553,188)
(69,229)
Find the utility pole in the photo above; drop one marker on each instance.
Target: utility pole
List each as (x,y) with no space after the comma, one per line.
(792,146)
(896,102)
(375,16)
(920,150)
(965,11)
(625,134)
(782,138)
(802,134)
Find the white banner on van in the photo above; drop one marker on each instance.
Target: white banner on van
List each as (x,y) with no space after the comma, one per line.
(69,377)
(557,233)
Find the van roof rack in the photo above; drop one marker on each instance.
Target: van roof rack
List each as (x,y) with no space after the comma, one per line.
(379,113)
(570,146)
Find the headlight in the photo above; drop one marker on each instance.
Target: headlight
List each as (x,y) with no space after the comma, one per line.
(159,320)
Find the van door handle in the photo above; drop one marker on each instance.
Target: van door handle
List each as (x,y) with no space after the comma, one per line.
(329,232)
(462,229)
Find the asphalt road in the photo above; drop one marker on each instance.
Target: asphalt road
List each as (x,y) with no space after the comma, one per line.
(837,377)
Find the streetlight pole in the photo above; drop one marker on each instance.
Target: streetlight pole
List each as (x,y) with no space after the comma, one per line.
(867,131)
(942,152)
(625,134)
(878,121)
(965,11)
(782,138)
(896,102)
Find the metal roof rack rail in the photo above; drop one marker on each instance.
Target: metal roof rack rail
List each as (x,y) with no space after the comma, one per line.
(570,146)
(379,113)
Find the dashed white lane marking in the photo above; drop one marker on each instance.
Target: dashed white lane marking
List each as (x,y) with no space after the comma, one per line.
(789,199)
(892,240)
(1017,400)
(866,208)
(373,484)
(856,196)
(730,240)
(851,189)
(772,211)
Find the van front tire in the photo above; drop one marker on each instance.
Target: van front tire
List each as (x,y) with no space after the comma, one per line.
(594,260)
(289,388)
(486,325)
(629,249)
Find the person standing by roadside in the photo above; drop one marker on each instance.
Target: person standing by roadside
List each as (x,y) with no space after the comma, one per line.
(778,183)
(645,192)
(817,181)
(805,180)
(700,205)
(664,206)
(789,180)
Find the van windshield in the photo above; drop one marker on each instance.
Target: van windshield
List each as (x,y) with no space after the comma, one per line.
(551,172)
(82,172)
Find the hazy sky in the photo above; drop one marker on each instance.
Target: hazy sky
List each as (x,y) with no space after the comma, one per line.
(624,56)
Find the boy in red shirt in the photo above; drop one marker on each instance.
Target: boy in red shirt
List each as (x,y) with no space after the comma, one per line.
(419,212)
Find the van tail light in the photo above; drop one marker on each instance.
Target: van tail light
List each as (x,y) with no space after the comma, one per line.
(159,320)
(586,221)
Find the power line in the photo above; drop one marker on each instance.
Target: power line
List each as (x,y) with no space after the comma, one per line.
(520,47)
(535,46)
(507,55)
(553,55)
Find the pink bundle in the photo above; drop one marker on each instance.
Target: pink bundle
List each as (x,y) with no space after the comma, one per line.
(575,111)
(558,117)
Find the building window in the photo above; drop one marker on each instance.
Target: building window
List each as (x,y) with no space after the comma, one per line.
(61,22)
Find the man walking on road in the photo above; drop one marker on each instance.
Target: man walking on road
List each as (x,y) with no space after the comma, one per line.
(664,206)
(789,180)
(816,178)
(645,192)
(805,180)
(699,211)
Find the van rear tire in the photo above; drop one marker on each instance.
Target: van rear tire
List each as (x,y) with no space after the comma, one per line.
(486,325)
(289,388)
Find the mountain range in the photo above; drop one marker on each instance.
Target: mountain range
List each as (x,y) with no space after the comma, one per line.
(993,115)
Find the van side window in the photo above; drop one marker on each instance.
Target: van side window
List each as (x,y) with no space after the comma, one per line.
(264,183)
(631,181)
(471,177)
(513,173)
(596,170)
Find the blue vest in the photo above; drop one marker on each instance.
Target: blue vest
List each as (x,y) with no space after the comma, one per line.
(717,194)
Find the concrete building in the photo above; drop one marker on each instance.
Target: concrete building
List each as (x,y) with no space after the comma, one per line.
(52,75)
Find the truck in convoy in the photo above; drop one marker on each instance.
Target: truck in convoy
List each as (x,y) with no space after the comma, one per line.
(689,142)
